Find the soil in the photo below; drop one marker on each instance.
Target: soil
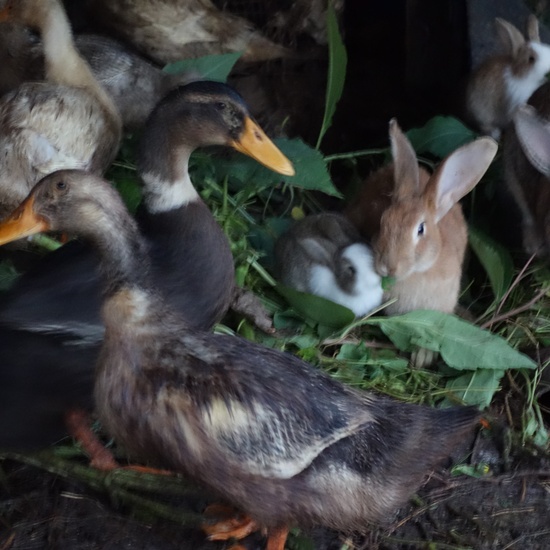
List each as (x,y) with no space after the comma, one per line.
(500,510)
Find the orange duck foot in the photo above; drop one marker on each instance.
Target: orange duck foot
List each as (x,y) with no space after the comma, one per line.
(225,523)
(228,524)
(277,538)
(78,424)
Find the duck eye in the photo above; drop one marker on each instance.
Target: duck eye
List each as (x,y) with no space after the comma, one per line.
(220,105)
(421,229)
(61,185)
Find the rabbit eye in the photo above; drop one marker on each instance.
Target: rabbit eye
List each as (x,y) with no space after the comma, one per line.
(532,58)
(421,229)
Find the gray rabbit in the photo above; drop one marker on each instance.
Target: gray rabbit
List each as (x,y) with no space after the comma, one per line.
(323,254)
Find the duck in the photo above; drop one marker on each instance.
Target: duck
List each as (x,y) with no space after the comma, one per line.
(68,121)
(21,56)
(55,306)
(134,84)
(171,30)
(279,439)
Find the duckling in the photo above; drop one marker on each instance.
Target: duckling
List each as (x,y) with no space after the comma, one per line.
(57,302)
(276,437)
(134,84)
(170,30)
(68,121)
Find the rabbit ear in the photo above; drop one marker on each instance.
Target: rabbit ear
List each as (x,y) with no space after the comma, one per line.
(317,249)
(510,37)
(533,28)
(534,135)
(406,175)
(334,229)
(459,173)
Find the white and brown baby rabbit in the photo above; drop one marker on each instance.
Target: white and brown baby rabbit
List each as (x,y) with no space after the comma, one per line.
(526,152)
(323,254)
(422,234)
(506,80)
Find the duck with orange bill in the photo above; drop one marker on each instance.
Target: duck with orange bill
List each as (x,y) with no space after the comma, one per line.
(279,439)
(54,308)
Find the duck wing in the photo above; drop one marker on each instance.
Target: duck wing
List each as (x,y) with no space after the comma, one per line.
(262,411)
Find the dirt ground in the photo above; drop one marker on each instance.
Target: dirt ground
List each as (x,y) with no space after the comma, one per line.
(506,508)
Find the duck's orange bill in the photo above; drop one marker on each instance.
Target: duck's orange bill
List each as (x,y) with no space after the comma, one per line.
(255,143)
(22,223)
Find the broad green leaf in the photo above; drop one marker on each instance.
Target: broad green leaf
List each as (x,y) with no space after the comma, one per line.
(495,259)
(310,166)
(440,136)
(360,354)
(337,62)
(356,353)
(476,387)
(318,309)
(210,67)
(462,346)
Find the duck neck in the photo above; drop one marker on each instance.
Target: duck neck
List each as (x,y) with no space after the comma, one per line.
(125,258)
(64,65)
(164,171)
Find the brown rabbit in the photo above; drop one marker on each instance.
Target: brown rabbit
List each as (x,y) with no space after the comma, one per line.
(422,234)
(507,79)
(526,148)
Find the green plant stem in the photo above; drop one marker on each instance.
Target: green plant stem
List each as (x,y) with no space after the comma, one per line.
(355,154)
(43,241)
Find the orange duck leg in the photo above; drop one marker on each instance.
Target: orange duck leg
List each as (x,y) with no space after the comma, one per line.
(231,525)
(78,425)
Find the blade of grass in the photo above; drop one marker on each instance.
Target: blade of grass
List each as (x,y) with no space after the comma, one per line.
(336,77)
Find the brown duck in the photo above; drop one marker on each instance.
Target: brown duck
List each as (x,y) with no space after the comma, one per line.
(276,437)
(52,314)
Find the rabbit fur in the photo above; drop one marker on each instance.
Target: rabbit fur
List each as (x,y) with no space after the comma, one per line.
(322,254)
(507,79)
(419,232)
(526,152)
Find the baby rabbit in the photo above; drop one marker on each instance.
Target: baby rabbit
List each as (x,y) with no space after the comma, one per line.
(323,254)
(506,80)
(422,234)
(527,169)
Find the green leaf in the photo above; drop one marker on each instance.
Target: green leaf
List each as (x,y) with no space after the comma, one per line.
(495,259)
(440,136)
(462,346)
(210,67)
(318,309)
(310,166)
(476,387)
(337,62)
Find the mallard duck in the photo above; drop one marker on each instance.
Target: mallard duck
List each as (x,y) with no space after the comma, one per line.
(66,122)
(134,84)
(57,302)
(276,437)
(170,30)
